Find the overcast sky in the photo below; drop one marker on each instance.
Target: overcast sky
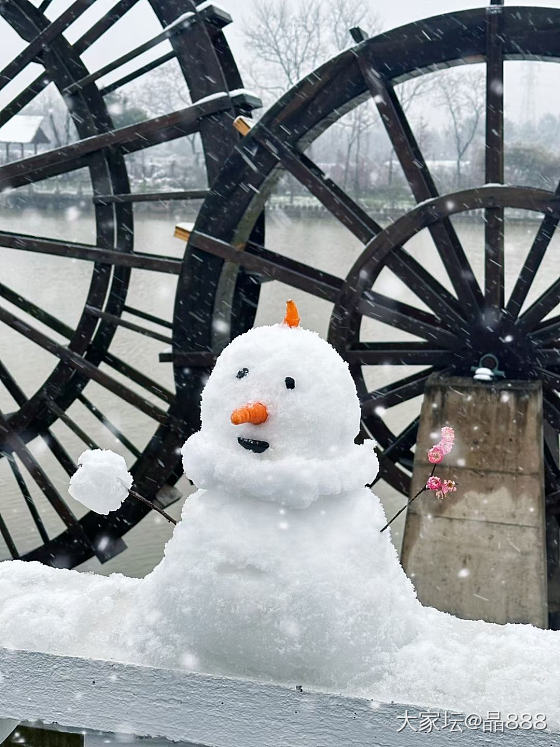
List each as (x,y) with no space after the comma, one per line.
(140,25)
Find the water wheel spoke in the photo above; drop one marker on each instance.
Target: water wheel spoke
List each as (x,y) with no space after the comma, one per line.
(82,366)
(357,220)
(60,453)
(12,442)
(20,398)
(66,331)
(494,157)
(408,318)
(24,490)
(7,537)
(71,424)
(103,24)
(139,260)
(34,88)
(532,263)
(426,287)
(36,311)
(395,354)
(334,199)
(148,67)
(403,443)
(551,470)
(119,322)
(189,194)
(551,446)
(37,45)
(544,304)
(550,379)
(11,385)
(552,409)
(139,378)
(272,265)
(396,393)
(148,317)
(547,332)
(397,449)
(422,185)
(548,357)
(119,435)
(131,138)
(388,469)
(389,472)
(552,489)
(24,98)
(175,27)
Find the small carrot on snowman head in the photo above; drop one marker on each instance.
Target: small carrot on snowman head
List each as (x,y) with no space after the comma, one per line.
(102,482)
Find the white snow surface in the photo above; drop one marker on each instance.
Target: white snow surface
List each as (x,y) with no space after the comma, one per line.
(101,481)
(294,589)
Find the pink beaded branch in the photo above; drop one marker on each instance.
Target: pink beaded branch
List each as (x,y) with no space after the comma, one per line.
(440,487)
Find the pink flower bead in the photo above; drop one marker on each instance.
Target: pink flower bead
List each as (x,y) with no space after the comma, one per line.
(435,455)
(447,434)
(445,446)
(448,486)
(434,483)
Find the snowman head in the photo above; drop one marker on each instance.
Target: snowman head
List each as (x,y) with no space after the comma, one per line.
(280,399)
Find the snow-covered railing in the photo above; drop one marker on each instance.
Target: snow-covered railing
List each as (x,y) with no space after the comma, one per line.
(208,710)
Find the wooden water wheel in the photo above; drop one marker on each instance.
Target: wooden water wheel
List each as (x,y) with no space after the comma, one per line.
(83,353)
(453,322)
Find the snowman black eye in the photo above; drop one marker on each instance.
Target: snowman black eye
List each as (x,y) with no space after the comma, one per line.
(290,383)
(242,372)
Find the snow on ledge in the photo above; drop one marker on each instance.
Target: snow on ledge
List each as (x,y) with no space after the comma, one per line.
(206,710)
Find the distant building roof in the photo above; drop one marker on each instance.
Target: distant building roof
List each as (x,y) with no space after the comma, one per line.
(23,128)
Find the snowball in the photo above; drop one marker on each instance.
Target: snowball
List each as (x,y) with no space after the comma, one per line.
(101,482)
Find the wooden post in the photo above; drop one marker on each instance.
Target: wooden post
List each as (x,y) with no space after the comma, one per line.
(481,552)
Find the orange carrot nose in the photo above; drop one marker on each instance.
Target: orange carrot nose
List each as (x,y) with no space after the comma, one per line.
(255,414)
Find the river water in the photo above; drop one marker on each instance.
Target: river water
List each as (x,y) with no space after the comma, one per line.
(59,285)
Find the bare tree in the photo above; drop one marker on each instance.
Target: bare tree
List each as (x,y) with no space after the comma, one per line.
(287,39)
(461,95)
(342,15)
(284,39)
(163,90)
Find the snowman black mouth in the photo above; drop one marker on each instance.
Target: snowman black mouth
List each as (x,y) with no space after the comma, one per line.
(253,445)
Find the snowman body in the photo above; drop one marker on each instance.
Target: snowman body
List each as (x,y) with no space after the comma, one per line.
(311,596)
(278,569)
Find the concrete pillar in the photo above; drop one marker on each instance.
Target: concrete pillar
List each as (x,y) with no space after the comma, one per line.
(481,552)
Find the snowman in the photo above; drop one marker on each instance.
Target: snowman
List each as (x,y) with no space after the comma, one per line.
(278,568)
